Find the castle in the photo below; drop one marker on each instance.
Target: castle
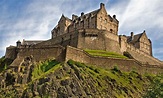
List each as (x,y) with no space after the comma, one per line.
(95,30)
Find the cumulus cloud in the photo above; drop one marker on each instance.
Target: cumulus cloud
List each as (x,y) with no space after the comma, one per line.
(138,13)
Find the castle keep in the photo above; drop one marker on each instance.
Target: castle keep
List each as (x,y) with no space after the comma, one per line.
(96,30)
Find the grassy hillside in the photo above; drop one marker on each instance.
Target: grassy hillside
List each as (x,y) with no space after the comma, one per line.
(51,79)
(105,54)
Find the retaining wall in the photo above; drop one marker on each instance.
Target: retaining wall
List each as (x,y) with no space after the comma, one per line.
(106,62)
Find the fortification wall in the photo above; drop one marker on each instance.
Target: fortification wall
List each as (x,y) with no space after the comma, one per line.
(123,43)
(98,40)
(105,62)
(112,45)
(42,53)
(91,39)
(86,39)
(142,56)
(11,52)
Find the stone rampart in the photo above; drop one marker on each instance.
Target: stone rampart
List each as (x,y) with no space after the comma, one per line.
(40,54)
(11,52)
(98,40)
(106,62)
(142,56)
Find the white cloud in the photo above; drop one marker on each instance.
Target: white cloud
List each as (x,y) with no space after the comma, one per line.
(140,15)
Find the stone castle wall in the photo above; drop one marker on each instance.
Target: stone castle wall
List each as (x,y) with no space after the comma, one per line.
(123,64)
(39,54)
(142,56)
(98,40)
(42,53)
(11,52)
(91,39)
(86,39)
(138,54)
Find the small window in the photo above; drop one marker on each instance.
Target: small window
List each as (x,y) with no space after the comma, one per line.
(100,18)
(105,21)
(62,40)
(111,30)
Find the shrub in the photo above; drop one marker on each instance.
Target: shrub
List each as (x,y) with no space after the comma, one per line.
(70,62)
(116,68)
(48,65)
(4,63)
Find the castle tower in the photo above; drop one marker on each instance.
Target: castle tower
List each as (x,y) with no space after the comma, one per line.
(106,22)
(18,44)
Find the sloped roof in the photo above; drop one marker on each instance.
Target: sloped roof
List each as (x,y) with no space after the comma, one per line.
(88,15)
(136,38)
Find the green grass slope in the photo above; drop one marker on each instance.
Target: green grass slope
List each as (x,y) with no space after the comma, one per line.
(105,54)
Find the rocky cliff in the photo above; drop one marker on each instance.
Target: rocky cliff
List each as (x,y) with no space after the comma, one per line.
(53,79)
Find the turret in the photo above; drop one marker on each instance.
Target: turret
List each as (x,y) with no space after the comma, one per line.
(82,13)
(132,35)
(18,44)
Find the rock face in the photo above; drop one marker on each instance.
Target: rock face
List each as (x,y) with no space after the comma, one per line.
(69,80)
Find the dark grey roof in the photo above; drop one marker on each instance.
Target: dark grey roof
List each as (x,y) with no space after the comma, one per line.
(88,15)
(136,38)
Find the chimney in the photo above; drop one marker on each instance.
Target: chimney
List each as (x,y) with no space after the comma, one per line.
(144,31)
(18,44)
(82,14)
(102,5)
(114,16)
(132,35)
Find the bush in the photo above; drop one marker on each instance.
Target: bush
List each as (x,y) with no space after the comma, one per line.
(116,68)
(79,64)
(4,63)
(48,65)
(71,62)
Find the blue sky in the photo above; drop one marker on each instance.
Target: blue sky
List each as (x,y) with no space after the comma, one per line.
(34,19)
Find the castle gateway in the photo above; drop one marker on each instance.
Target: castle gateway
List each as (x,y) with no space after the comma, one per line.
(96,30)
